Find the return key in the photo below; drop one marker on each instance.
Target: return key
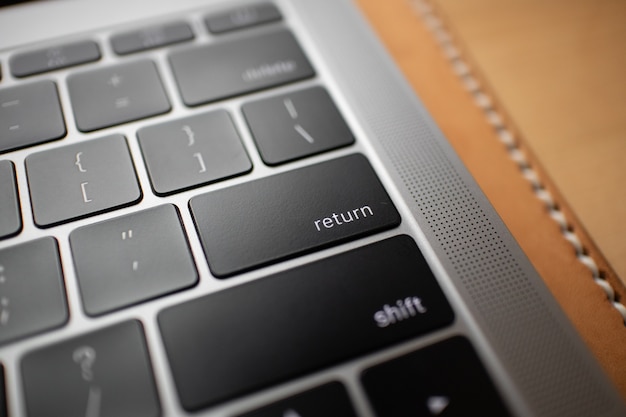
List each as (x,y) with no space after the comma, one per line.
(285,215)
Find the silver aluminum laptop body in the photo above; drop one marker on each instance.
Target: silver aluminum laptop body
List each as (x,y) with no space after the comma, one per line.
(530,351)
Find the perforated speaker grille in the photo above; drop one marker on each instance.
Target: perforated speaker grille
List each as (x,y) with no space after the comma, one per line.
(531,341)
(459,223)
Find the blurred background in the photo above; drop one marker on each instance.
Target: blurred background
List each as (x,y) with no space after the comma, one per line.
(558,69)
(550,75)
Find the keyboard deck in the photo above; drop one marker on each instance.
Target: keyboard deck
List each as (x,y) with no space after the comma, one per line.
(182,193)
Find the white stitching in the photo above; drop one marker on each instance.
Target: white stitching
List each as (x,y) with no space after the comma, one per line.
(482,100)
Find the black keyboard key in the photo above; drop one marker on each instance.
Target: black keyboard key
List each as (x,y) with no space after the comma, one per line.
(10,218)
(151,37)
(53,58)
(130,259)
(328,400)
(196,150)
(32,292)
(30,114)
(445,379)
(296,125)
(276,328)
(243,17)
(281,216)
(117,94)
(105,374)
(234,67)
(80,180)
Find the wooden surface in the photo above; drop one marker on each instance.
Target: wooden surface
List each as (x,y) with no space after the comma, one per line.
(558,67)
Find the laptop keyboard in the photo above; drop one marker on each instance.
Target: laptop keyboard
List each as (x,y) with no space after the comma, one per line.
(142,167)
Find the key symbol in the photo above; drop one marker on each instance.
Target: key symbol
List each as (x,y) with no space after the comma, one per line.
(3,279)
(243,16)
(191,136)
(4,311)
(291,109)
(198,156)
(129,235)
(85,357)
(93,402)
(437,404)
(115,80)
(78,162)
(304,134)
(55,58)
(10,103)
(122,103)
(83,189)
(293,113)
(152,37)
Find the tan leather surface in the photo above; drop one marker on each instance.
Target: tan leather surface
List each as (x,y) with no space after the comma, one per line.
(558,67)
(465,125)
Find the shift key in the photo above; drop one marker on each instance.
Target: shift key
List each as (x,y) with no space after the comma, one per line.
(246,338)
(281,216)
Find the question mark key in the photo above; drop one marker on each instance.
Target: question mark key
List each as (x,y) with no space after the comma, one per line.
(100,374)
